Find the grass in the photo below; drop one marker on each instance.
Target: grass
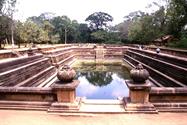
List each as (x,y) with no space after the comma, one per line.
(182,44)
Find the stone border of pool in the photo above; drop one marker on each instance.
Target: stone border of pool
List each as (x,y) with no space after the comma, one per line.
(164,100)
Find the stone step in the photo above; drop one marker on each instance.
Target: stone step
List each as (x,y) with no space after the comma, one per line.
(22,73)
(102,101)
(17,62)
(24,105)
(50,80)
(171,107)
(46,77)
(164,67)
(68,59)
(37,78)
(155,74)
(24,66)
(19,74)
(176,60)
(170,51)
(16,53)
(28,72)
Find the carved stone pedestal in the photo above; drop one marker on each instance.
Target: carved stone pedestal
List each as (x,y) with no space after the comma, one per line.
(139,98)
(66,97)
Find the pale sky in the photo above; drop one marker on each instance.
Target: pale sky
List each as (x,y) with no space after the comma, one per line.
(79,9)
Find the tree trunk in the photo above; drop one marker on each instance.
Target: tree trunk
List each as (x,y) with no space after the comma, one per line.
(65,39)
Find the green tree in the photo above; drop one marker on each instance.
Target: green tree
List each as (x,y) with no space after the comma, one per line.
(66,28)
(144,27)
(30,32)
(7,8)
(83,33)
(19,33)
(5,29)
(48,28)
(176,17)
(123,29)
(39,20)
(134,16)
(99,21)
(99,36)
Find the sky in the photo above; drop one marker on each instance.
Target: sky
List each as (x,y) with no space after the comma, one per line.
(79,9)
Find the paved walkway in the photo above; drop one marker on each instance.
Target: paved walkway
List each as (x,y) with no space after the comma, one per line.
(15,117)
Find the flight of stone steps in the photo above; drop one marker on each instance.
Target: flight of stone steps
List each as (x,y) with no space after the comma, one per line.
(99,54)
(165,70)
(33,71)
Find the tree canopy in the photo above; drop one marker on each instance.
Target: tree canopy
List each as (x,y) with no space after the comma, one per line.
(169,19)
(138,27)
(6,23)
(99,21)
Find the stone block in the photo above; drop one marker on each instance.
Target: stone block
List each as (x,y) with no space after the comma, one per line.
(139,93)
(66,97)
(65,91)
(139,98)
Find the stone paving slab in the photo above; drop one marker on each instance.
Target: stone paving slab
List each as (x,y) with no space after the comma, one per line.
(15,117)
(102,108)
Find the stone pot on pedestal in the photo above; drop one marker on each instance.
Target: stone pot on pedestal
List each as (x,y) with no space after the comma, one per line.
(65,90)
(139,91)
(66,74)
(139,75)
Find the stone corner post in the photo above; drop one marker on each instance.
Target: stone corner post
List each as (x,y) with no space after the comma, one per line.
(139,91)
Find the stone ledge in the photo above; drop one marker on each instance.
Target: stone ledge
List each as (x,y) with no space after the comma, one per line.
(25,90)
(65,86)
(168,90)
(138,86)
(65,107)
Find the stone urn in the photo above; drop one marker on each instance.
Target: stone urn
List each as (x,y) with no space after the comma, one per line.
(139,74)
(66,74)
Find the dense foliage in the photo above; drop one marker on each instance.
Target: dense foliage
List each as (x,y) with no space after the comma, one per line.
(169,19)
(7,7)
(138,27)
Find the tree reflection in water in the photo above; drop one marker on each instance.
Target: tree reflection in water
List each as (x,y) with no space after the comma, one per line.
(97,78)
(102,82)
(101,75)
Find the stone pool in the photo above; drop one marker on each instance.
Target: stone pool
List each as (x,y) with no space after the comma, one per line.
(106,81)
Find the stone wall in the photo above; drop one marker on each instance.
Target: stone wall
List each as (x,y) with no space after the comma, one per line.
(168,95)
(62,56)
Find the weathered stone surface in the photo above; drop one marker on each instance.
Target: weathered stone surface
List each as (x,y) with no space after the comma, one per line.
(139,98)
(65,92)
(14,63)
(65,106)
(66,97)
(166,68)
(172,95)
(175,52)
(139,93)
(160,77)
(177,60)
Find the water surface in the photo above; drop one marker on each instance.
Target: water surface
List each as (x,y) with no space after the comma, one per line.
(102,81)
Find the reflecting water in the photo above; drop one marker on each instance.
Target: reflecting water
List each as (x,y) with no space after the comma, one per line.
(102,82)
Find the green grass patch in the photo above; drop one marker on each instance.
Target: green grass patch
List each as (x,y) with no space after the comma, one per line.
(179,44)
